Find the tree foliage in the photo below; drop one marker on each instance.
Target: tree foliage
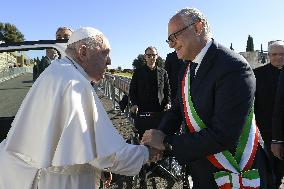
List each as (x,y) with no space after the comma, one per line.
(140,61)
(160,62)
(250,46)
(10,33)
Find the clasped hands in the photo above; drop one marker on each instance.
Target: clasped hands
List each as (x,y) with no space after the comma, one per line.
(154,139)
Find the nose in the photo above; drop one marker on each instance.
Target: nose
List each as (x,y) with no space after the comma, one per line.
(172,44)
(108,61)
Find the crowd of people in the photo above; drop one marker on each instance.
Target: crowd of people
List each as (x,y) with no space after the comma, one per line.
(206,89)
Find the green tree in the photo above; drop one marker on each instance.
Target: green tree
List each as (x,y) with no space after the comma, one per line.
(139,61)
(10,33)
(1,36)
(160,62)
(250,46)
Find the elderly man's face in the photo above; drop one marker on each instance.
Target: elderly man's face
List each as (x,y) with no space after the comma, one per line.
(63,34)
(184,40)
(276,56)
(97,61)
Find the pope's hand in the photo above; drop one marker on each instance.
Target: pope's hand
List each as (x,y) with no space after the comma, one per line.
(154,138)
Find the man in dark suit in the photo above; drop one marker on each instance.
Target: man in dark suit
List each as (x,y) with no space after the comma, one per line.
(216,95)
(172,66)
(149,87)
(277,145)
(266,86)
(45,61)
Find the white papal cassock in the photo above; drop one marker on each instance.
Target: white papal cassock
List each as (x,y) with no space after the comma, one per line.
(62,137)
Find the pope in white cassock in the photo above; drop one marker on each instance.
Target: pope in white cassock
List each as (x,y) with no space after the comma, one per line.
(61,136)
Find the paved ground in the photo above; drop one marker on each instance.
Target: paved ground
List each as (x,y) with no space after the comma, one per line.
(12,93)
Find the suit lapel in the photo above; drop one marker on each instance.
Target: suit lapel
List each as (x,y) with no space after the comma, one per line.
(205,66)
(159,77)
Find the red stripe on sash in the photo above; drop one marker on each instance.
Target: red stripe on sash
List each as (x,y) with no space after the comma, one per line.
(215,162)
(226,186)
(251,158)
(189,125)
(241,182)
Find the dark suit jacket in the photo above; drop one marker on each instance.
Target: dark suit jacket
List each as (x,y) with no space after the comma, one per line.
(278,114)
(138,87)
(43,64)
(172,66)
(266,85)
(222,94)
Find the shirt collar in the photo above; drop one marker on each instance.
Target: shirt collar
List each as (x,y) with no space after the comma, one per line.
(79,68)
(198,59)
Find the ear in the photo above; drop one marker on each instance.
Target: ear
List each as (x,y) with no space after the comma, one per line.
(82,52)
(199,26)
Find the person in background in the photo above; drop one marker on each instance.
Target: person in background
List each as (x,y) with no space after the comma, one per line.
(63,33)
(173,66)
(35,70)
(149,88)
(277,144)
(216,93)
(61,136)
(51,54)
(266,86)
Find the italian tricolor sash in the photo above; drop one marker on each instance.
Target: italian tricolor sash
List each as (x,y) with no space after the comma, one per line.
(235,171)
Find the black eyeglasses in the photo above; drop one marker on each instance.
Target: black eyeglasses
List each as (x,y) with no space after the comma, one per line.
(151,55)
(173,37)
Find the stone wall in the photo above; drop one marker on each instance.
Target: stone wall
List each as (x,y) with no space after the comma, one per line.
(255,58)
(7,59)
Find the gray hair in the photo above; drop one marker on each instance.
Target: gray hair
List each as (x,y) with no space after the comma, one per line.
(90,42)
(277,43)
(193,15)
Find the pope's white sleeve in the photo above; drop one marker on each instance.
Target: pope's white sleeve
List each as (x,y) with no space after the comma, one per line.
(127,161)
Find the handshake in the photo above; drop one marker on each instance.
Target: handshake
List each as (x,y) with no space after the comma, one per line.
(154,138)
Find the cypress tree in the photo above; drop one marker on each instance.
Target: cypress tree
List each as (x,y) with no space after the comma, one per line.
(250,46)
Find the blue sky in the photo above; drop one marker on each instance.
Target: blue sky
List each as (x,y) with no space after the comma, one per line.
(132,25)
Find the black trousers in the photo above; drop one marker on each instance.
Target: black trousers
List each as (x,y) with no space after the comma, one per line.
(144,121)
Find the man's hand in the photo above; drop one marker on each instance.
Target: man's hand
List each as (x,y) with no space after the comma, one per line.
(155,154)
(134,109)
(154,138)
(278,150)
